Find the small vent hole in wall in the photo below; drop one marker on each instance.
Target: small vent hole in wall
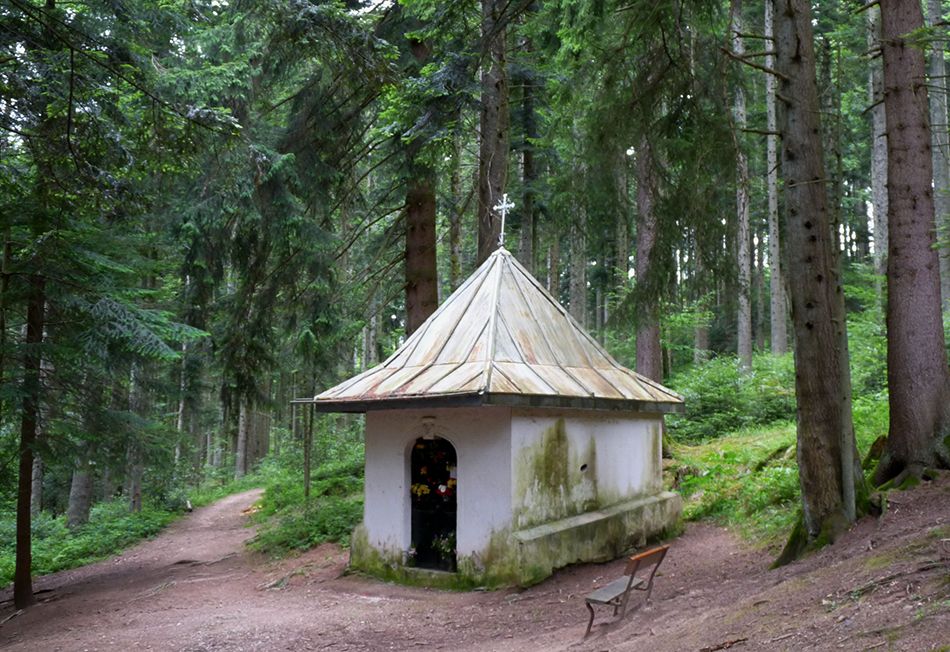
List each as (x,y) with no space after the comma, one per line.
(583,467)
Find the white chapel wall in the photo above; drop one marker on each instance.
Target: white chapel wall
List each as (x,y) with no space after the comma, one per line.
(575,462)
(481,437)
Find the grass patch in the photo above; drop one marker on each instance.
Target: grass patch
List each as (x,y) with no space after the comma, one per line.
(747,480)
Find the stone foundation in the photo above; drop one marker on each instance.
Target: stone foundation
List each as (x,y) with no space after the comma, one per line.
(595,536)
(529,556)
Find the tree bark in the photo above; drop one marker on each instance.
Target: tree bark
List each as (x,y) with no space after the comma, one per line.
(421,276)
(36,481)
(878,145)
(136,465)
(182,416)
(136,472)
(827,469)
(701,329)
(553,268)
(240,449)
(458,209)
(743,251)
(941,147)
(622,226)
(527,242)
(649,354)
(29,424)
(577,305)
(778,308)
(308,452)
(4,292)
(493,131)
(370,343)
(917,376)
(80,493)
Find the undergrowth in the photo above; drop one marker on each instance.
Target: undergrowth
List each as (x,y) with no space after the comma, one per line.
(748,480)
(111,529)
(290,522)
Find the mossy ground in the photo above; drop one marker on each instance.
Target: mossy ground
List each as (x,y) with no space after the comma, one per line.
(747,480)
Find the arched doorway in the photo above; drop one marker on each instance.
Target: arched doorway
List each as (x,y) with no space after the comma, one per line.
(433,492)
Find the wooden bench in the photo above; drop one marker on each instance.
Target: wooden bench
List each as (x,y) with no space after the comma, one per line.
(617,593)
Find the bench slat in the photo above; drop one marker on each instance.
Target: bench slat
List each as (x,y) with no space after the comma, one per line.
(612,591)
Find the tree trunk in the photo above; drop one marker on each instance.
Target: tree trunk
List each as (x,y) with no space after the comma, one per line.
(828,471)
(941,147)
(36,482)
(240,449)
(182,416)
(758,285)
(743,252)
(917,377)
(622,225)
(778,308)
(308,452)
(701,329)
(529,174)
(878,145)
(4,291)
(80,493)
(370,344)
(29,424)
(829,110)
(577,305)
(493,130)
(136,465)
(649,355)
(421,277)
(553,267)
(136,472)
(458,209)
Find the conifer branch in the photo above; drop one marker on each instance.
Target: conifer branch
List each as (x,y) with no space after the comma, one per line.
(757,66)
(167,106)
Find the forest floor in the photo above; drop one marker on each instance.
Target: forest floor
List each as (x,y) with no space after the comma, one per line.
(884,586)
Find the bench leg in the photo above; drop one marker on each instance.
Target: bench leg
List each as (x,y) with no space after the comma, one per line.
(591,623)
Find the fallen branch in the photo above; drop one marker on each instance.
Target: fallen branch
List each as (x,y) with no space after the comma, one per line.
(11,616)
(725,645)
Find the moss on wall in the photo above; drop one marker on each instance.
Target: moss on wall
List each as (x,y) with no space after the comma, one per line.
(553,480)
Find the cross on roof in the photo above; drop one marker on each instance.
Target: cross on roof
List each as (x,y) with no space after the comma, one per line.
(503,207)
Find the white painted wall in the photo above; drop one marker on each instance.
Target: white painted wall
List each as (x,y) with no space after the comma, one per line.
(481,437)
(621,450)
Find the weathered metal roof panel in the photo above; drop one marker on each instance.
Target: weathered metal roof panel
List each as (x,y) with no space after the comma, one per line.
(499,337)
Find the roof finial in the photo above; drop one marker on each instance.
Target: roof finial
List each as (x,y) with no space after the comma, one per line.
(503,207)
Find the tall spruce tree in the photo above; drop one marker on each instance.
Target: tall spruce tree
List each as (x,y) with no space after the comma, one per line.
(917,375)
(828,469)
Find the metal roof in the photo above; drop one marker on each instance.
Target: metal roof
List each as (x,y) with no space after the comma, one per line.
(500,339)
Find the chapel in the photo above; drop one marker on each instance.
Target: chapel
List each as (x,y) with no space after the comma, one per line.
(503,442)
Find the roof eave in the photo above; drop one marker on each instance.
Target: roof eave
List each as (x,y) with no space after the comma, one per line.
(361,405)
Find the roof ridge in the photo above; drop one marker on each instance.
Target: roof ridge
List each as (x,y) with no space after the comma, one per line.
(497,267)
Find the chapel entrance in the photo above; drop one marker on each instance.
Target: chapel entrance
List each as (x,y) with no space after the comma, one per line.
(432,495)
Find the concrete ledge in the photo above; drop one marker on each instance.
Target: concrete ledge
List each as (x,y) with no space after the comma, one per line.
(595,536)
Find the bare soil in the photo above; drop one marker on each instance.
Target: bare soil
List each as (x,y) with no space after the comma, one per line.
(884,586)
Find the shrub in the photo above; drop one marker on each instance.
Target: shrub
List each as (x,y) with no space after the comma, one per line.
(327,518)
(720,399)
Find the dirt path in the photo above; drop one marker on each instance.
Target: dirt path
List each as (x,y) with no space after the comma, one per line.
(196,588)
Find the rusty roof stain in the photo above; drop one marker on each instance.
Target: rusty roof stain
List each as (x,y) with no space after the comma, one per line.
(499,339)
